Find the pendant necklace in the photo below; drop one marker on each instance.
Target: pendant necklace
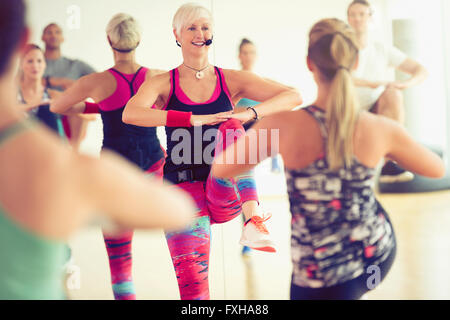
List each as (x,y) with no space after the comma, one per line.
(199,73)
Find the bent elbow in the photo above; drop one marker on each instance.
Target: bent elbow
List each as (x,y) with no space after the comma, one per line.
(127,116)
(54,109)
(439,171)
(298,100)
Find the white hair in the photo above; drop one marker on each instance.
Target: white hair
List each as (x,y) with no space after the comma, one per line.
(189,13)
(123,32)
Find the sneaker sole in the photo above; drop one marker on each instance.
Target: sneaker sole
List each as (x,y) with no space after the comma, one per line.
(398,178)
(265,248)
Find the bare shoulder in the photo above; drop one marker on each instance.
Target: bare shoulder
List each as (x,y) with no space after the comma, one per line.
(236,75)
(158,80)
(93,79)
(374,124)
(286,122)
(154,72)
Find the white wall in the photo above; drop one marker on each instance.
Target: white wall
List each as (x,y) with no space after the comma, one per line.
(429,111)
(278,28)
(280,31)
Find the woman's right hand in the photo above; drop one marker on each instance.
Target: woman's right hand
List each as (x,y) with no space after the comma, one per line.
(377,84)
(210,119)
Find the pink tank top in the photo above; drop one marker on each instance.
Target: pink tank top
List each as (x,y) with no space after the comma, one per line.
(127,86)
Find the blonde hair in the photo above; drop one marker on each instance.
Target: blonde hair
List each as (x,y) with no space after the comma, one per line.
(189,13)
(333,49)
(123,32)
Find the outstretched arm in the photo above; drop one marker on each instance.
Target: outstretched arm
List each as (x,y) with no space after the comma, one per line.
(274,96)
(72,101)
(120,191)
(260,142)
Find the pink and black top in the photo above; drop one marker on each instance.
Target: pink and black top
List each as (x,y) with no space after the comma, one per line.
(138,144)
(191,164)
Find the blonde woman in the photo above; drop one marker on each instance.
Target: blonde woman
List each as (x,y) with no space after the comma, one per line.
(47,192)
(343,243)
(111,90)
(33,95)
(197,102)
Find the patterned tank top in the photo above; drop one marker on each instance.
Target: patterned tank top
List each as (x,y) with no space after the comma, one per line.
(338,227)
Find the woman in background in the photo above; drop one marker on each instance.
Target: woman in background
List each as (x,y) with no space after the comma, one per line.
(48,192)
(34,96)
(112,89)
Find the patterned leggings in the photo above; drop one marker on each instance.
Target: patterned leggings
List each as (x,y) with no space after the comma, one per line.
(218,201)
(118,248)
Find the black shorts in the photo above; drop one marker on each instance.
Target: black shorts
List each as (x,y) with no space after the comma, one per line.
(349,290)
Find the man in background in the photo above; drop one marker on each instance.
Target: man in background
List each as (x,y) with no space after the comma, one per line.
(61,73)
(376,93)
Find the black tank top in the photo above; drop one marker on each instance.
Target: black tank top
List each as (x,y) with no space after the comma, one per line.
(198,142)
(138,144)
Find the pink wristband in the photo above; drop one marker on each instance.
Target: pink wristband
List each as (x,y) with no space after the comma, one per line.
(91,108)
(178,119)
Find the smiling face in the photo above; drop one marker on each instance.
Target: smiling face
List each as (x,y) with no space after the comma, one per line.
(359,16)
(193,36)
(33,64)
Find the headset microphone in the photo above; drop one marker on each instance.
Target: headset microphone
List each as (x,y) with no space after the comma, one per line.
(208,42)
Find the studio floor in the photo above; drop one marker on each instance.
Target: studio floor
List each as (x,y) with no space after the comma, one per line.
(421,269)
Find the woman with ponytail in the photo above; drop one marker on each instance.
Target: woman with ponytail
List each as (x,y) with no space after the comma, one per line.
(343,243)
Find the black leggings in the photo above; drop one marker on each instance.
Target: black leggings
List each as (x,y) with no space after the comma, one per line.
(350,290)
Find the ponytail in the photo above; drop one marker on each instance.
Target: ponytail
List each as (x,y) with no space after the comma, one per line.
(341,116)
(334,51)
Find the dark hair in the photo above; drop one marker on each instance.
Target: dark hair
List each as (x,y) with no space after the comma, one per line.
(244,41)
(50,25)
(12,26)
(362,2)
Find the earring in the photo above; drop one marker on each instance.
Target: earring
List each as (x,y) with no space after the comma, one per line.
(178,44)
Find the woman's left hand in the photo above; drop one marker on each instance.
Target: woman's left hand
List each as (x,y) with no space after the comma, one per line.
(243,116)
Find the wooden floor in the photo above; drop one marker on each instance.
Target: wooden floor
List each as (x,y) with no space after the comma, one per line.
(420,271)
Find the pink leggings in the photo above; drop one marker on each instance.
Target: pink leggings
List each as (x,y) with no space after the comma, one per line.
(218,201)
(119,253)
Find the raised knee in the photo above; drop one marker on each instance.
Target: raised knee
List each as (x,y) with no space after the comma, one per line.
(393,94)
(230,124)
